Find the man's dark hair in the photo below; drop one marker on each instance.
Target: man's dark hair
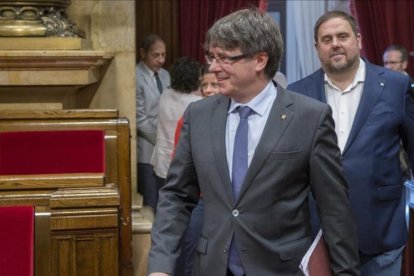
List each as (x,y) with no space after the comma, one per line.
(150,40)
(335,14)
(399,48)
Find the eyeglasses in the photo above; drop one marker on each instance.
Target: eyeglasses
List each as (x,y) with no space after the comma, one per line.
(392,62)
(222,59)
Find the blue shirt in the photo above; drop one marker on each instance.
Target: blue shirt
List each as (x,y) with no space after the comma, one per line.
(261,105)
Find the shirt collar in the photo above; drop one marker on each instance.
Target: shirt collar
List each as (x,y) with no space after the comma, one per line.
(258,104)
(151,72)
(359,77)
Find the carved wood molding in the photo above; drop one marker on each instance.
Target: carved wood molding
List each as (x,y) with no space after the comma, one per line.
(52,60)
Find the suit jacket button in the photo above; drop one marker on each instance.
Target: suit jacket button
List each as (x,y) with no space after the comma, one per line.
(235,212)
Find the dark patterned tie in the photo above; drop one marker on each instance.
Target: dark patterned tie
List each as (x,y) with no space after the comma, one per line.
(159,84)
(240,165)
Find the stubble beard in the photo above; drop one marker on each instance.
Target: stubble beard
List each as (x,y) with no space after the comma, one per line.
(340,68)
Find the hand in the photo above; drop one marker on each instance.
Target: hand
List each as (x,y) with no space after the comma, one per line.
(159,274)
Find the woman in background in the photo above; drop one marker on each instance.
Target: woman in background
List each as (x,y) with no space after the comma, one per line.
(209,87)
(184,89)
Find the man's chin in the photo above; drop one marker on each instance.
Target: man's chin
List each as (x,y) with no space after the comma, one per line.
(225,92)
(338,67)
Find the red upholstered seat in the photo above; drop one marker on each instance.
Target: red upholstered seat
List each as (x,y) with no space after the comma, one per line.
(52,152)
(16,240)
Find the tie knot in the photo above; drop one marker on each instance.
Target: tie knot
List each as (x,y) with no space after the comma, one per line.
(244,111)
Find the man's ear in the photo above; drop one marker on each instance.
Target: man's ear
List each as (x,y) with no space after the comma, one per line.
(404,64)
(261,61)
(142,53)
(359,39)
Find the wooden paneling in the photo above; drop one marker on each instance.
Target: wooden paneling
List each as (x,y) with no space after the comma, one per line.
(92,254)
(84,220)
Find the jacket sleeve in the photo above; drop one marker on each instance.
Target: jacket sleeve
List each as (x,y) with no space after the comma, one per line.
(177,199)
(331,194)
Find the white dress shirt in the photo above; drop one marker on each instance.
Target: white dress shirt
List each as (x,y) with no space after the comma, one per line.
(345,103)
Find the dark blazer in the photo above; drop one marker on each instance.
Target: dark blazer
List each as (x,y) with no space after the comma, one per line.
(370,158)
(270,219)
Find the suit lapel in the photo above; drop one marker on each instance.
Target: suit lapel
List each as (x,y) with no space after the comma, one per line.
(317,86)
(148,79)
(373,88)
(218,136)
(279,118)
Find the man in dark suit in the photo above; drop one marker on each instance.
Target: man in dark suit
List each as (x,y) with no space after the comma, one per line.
(372,111)
(395,57)
(255,172)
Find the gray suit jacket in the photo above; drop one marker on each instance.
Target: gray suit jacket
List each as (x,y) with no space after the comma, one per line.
(270,219)
(147,98)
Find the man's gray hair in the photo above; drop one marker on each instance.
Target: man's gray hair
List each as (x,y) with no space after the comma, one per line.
(253,32)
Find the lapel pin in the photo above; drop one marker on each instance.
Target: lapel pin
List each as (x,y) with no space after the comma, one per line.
(283,116)
(382,84)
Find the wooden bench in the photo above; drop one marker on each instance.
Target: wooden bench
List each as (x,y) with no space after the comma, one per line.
(82,220)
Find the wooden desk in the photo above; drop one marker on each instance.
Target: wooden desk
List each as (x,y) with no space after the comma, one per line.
(86,229)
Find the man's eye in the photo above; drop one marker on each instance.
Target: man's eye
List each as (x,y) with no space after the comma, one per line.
(223,59)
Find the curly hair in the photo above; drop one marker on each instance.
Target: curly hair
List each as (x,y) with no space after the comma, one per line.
(185,75)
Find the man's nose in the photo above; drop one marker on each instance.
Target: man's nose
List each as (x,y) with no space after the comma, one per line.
(214,66)
(161,59)
(335,42)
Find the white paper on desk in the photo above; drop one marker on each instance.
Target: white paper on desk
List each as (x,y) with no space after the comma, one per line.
(304,264)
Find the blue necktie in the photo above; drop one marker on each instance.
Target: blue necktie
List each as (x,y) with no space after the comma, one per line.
(240,159)
(159,84)
(240,165)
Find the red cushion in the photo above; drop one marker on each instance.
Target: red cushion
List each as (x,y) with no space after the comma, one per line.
(16,235)
(52,152)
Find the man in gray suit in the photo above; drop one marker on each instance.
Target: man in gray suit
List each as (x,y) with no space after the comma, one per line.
(256,219)
(151,80)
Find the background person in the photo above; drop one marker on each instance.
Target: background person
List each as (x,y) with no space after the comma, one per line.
(151,79)
(373,113)
(184,89)
(396,58)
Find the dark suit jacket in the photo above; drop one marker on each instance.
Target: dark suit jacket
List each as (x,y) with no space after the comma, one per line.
(370,158)
(270,219)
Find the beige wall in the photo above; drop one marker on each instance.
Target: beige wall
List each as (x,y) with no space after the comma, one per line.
(110,26)
(71,78)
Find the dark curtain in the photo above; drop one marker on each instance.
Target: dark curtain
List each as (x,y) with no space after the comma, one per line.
(183,23)
(197,16)
(160,17)
(383,23)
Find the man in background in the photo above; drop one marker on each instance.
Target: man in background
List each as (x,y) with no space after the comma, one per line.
(151,80)
(373,113)
(396,58)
